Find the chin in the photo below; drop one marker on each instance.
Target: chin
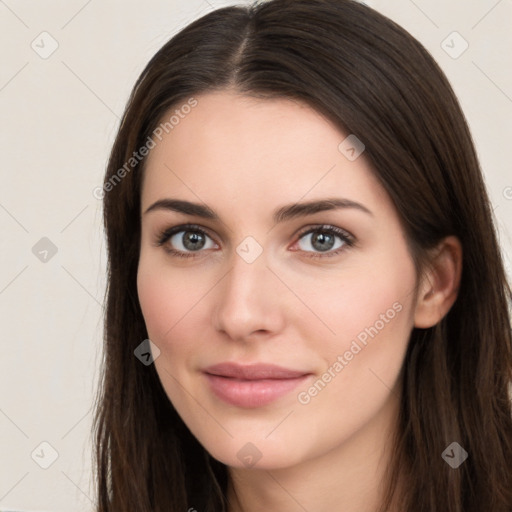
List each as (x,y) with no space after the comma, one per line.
(242,453)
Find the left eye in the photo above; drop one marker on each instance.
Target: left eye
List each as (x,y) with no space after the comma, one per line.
(323,239)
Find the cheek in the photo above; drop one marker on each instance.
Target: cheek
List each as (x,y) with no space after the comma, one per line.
(155,302)
(368,310)
(172,307)
(371,315)
(163,300)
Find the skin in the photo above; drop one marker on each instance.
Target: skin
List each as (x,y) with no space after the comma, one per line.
(245,157)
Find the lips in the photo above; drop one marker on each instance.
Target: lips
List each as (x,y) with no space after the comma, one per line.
(252,385)
(253,371)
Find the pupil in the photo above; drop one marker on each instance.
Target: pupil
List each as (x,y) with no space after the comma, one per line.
(322,237)
(191,240)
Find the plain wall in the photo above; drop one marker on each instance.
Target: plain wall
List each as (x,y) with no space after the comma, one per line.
(60,115)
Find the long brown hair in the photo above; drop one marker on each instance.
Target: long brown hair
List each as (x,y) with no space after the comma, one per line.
(372,79)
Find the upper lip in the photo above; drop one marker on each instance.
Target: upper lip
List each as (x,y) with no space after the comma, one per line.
(255,371)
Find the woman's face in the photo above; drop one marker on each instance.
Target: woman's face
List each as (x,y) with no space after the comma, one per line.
(324,296)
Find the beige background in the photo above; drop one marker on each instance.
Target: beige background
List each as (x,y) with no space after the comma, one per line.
(60,115)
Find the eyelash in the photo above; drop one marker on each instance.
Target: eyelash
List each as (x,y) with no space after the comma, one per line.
(347,238)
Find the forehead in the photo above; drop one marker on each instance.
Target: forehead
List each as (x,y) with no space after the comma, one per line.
(250,149)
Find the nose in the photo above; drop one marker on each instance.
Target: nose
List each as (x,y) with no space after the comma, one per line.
(249,300)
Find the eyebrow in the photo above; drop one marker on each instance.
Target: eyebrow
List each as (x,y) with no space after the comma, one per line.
(282,214)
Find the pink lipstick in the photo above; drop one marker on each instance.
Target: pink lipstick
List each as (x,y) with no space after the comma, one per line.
(252,385)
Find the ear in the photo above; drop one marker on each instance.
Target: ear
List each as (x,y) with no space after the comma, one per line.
(439,284)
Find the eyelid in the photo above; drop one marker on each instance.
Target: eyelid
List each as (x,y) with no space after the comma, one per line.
(166,233)
(348,239)
(325,227)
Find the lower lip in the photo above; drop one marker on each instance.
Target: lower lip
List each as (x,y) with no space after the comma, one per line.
(251,393)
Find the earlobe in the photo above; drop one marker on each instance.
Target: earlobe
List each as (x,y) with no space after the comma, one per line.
(439,285)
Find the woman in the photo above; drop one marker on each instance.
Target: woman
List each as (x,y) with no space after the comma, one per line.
(297,220)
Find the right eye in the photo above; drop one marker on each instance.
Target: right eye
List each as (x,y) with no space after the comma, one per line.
(185,240)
